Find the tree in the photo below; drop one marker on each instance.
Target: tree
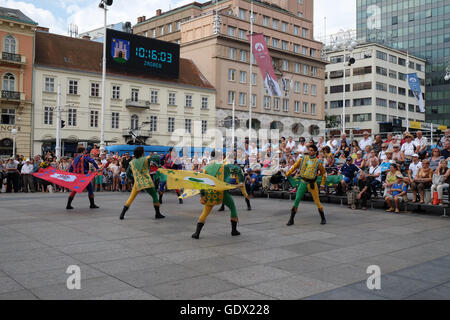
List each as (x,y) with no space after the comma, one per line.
(331,121)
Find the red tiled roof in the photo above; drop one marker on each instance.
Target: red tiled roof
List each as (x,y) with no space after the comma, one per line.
(76,54)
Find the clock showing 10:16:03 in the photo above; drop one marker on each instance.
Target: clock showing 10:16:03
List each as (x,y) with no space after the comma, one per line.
(155,55)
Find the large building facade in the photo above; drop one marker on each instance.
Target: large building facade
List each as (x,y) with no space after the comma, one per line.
(17,33)
(155,110)
(376,88)
(214,36)
(423,29)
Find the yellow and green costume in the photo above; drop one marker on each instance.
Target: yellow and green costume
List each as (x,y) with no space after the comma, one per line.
(310,168)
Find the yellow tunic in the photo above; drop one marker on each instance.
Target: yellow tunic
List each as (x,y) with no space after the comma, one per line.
(309,168)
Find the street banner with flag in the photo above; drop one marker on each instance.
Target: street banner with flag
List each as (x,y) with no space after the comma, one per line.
(414,84)
(190,180)
(261,53)
(73,181)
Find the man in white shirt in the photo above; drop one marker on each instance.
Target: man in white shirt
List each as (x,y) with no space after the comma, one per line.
(302,148)
(290,145)
(365,141)
(27,178)
(421,143)
(408,147)
(413,168)
(332,144)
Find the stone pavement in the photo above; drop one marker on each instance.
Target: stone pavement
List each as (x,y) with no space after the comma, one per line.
(141,258)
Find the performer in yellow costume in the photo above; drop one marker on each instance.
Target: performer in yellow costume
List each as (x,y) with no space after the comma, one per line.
(139,170)
(309,166)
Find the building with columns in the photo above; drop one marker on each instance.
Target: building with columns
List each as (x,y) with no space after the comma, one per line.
(214,36)
(17,33)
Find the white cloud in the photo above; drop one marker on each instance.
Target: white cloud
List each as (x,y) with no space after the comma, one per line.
(43,17)
(339,16)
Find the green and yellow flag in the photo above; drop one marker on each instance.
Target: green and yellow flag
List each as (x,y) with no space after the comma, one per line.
(190,180)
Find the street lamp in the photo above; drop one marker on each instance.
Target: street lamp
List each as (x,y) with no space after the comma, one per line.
(13,133)
(344,40)
(103,5)
(447,74)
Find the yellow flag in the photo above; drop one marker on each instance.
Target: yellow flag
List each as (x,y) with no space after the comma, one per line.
(190,180)
(189,193)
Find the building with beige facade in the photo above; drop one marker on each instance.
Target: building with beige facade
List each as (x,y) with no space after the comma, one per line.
(376,87)
(214,36)
(152,108)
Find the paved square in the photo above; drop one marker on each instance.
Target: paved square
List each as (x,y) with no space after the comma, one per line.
(141,258)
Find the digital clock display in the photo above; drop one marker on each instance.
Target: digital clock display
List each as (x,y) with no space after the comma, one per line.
(142,55)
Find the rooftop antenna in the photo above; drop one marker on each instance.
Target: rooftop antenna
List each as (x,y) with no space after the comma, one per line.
(73,30)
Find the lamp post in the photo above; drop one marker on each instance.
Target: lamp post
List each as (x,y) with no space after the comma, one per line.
(344,41)
(13,133)
(103,5)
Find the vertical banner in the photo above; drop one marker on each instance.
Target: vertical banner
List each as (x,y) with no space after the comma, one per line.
(262,57)
(414,84)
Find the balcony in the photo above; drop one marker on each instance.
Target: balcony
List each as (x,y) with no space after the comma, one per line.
(142,104)
(12,95)
(13,58)
(138,133)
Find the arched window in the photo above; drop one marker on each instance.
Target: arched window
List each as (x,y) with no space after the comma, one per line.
(274,125)
(298,128)
(314,130)
(256,124)
(9,44)
(228,122)
(9,82)
(134,122)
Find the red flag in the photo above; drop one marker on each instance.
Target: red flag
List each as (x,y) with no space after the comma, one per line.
(261,53)
(73,181)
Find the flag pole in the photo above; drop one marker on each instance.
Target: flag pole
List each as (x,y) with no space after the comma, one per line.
(407,92)
(250,76)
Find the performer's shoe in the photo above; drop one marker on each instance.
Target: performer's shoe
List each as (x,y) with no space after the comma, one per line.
(69,203)
(158,214)
(222,207)
(249,207)
(322,216)
(124,210)
(91,200)
(234,231)
(180,201)
(160,197)
(291,219)
(196,234)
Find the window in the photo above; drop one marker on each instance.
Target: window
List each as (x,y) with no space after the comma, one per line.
(300,14)
(178,25)
(171,124)
(204,102)
(284,26)
(134,95)
(339,88)
(361,71)
(297,86)
(267,39)
(401,106)
(296,30)
(253,100)
(9,45)
(169,28)
(267,102)
(392,89)
(285,65)
(116,92)
(297,106)
(296,48)
(188,101)
(154,96)
(254,79)
(381,102)
(392,74)
(381,117)
(419,67)
(265,21)
(305,88)
(153,33)
(49,84)
(231,31)
(161,31)
(95,89)
(231,75)
(411,65)
(339,103)
(313,52)
(48,115)
(204,126)
(153,123)
(242,34)
(401,76)
(305,51)
(73,87)
(232,53)
(275,43)
(285,105)
(382,71)
(392,104)
(188,125)
(305,69)
(313,90)
(231,97)
(242,13)
(242,77)
(8,116)
(134,125)
(313,108)
(362,102)
(381,55)
(243,56)
(94,119)
(411,16)
(242,99)
(394,20)
(401,61)
(172,101)
(275,23)
(313,71)
(304,33)
(297,67)
(284,45)
(72,117)
(392,59)
(402,91)
(115,120)
(381,86)
(305,107)
(362,117)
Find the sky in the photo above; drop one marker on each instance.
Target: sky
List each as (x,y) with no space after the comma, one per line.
(58,14)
